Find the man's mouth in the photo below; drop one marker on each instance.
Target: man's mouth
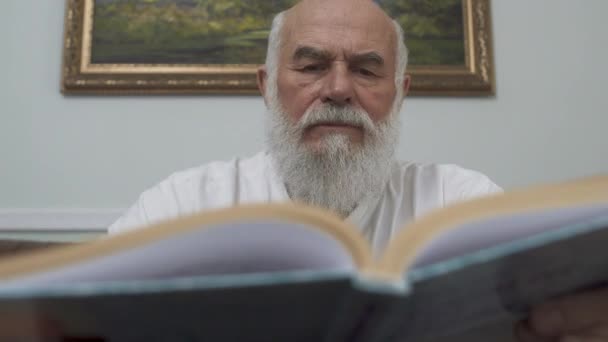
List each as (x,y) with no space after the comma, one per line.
(327,128)
(334,125)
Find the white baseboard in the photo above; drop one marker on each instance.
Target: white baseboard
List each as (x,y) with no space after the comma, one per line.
(72,220)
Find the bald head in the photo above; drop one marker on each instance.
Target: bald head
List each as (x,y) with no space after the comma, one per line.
(341,14)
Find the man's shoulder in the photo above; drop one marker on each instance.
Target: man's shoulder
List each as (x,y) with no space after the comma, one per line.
(220,170)
(452,181)
(444,171)
(211,185)
(208,185)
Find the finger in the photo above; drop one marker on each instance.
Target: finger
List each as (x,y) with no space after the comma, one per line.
(570,314)
(597,333)
(579,338)
(16,326)
(523,334)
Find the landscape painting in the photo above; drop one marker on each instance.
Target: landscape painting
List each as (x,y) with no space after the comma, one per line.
(215,46)
(182,31)
(235,31)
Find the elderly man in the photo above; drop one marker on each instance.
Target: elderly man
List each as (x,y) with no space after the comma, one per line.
(334,83)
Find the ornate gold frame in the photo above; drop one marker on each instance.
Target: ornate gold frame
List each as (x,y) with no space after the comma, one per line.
(80,76)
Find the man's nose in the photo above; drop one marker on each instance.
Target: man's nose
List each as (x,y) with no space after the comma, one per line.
(338,87)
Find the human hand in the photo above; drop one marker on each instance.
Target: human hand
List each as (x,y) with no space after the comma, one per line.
(577,318)
(31,327)
(28,327)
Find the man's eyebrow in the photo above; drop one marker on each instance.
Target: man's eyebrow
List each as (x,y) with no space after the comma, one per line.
(368,57)
(310,52)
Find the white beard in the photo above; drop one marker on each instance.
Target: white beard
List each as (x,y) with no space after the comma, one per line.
(336,173)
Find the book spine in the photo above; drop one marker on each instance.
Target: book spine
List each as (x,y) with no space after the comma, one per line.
(362,309)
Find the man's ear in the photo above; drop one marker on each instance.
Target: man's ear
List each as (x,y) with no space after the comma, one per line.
(407,80)
(262,78)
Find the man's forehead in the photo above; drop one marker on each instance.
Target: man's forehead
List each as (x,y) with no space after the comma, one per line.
(338,8)
(354,24)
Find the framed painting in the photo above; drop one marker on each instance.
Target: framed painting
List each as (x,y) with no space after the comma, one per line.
(215,46)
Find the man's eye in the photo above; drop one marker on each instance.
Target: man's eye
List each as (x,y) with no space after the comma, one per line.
(365,72)
(313,68)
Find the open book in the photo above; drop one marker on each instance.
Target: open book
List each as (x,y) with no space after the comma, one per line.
(286,272)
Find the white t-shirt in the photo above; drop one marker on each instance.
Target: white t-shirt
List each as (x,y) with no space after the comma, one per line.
(412,190)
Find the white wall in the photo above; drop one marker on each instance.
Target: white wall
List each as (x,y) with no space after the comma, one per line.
(547,121)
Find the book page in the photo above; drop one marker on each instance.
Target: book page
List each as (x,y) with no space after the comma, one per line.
(458,297)
(228,248)
(481,234)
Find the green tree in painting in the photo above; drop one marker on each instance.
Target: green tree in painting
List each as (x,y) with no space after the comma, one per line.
(235,31)
(433,29)
(182,31)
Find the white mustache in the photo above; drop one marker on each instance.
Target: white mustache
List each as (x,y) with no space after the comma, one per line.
(334,114)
